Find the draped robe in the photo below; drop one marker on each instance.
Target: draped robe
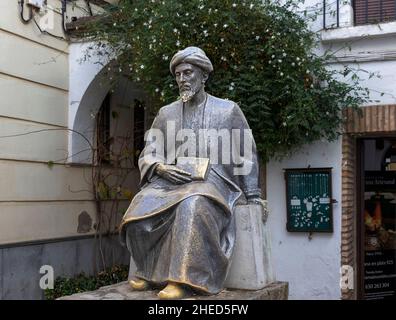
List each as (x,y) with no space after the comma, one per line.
(185,233)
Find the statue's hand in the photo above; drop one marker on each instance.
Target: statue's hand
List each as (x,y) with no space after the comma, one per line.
(173,174)
(263,203)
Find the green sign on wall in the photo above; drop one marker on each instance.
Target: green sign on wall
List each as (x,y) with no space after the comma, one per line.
(309,200)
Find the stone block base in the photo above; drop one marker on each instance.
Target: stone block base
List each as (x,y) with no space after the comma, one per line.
(122,291)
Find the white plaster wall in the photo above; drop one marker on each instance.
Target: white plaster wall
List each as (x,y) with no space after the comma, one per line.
(382,90)
(310,266)
(82,74)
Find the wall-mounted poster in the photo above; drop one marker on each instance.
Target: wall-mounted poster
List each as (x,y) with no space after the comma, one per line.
(309,200)
(380,235)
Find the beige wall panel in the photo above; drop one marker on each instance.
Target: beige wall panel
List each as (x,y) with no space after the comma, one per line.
(40,146)
(37,221)
(29,181)
(21,222)
(32,101)
(28,60)
(10,21)
(25,181)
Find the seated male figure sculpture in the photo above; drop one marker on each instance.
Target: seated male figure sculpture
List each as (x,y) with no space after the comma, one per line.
(181,231)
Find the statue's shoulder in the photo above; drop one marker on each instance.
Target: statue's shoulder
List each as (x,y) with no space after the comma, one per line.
(171,108)
(222,104)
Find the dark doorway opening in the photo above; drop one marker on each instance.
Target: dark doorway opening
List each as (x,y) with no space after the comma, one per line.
(377,219)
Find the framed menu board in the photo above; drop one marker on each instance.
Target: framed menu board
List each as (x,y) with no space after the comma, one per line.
(309,200)
(379,235)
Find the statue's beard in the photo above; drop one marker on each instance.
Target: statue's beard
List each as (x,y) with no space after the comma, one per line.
(187,94)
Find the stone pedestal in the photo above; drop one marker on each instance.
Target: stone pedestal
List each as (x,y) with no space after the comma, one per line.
(251,265)
(122,291)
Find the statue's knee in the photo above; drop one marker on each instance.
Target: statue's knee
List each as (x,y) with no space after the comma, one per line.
(193,206)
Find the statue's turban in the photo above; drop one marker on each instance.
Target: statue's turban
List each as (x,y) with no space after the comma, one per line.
(194,56)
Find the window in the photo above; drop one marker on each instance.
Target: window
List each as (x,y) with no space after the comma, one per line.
(374,11)
(104,139)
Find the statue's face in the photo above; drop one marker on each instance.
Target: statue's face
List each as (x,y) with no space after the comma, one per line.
(190,80)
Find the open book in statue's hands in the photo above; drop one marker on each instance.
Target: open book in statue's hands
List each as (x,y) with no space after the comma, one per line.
(198,167)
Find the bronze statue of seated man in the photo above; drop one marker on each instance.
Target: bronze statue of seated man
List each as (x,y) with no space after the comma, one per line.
(180,230)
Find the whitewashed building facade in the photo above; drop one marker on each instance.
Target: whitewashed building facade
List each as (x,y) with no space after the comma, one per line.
(312,264)
(47,209)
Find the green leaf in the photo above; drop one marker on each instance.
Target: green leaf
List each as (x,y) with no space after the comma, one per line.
(50,164)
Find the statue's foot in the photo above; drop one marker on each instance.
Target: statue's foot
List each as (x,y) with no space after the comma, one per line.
(139,284)
(172,291)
